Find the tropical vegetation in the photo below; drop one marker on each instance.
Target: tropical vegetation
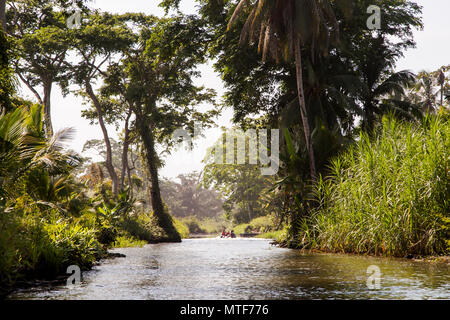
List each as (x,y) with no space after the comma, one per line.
(363,146)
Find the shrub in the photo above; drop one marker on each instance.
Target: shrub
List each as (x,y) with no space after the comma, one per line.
(128,241)
(182,228)
(193,225)
(261,225)
(78,244)
(139,226)
(34,246)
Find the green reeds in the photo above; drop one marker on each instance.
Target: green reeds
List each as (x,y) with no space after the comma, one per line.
(387,195)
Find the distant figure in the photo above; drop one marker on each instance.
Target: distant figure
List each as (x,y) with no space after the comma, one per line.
(227,235)
(232,235)
(223,235)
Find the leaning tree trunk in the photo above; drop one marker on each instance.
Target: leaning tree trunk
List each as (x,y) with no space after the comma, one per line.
(109,165)
(47,109)
(161,215)
(303,113)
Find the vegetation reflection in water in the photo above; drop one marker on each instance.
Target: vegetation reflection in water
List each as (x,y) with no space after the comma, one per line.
(249,269)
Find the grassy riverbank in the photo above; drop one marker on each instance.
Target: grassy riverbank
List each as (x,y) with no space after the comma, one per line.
(387,195)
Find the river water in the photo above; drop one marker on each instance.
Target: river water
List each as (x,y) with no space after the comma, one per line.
(249,269)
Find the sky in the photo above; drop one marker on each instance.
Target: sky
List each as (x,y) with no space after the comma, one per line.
(432,52)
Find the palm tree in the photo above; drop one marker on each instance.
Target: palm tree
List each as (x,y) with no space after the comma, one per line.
(381,89)
(424,92)
(281,28)
(442,81)
(24,148)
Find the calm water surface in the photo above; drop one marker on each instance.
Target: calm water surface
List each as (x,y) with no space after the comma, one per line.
(248,269)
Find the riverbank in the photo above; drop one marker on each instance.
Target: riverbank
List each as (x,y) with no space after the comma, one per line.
(445,259)
(39,244)
(202,235)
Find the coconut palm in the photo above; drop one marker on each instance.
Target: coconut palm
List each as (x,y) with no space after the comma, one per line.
(423,92)
(442,81)
(428,91)
(381,89)
(280,28)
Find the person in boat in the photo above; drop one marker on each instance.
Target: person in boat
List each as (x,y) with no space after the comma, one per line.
(224,234)
(232,235)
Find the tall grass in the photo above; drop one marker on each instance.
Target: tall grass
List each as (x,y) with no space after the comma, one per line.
(388,195)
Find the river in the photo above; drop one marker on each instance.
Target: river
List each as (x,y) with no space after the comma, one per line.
(248,269)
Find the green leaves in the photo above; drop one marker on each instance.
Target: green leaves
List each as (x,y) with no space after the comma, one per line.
(387,195)
(23,148)
(241,185)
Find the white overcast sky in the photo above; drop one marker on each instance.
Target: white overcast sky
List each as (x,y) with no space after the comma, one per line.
(433,51)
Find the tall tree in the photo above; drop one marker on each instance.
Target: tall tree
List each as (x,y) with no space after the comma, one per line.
(97,43)
(240,185)
(281,28)
(41,40)
(156,79)
(382,89)
(187,198)
(428,91)
(6,77)
(442,81)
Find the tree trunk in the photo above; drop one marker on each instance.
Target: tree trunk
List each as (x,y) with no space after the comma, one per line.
(126,144)
(162,217)
(441,81)
(129,181)
(370,117)
(250,211)
(3,14)
(109,165)
(47,110)
(301,100)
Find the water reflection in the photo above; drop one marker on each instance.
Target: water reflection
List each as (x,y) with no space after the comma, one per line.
(248,269)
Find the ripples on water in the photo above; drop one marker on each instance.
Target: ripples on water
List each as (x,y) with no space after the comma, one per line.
(248,269)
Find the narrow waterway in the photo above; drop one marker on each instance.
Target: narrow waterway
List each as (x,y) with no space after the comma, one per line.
(248,269)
